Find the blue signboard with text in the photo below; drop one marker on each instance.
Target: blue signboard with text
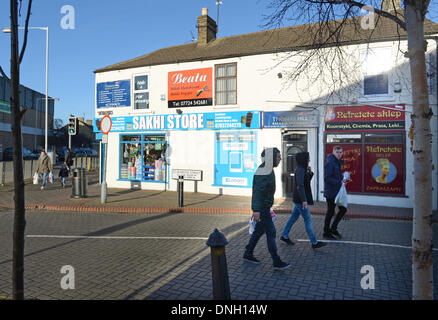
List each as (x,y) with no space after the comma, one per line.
(185,121)
(113,94)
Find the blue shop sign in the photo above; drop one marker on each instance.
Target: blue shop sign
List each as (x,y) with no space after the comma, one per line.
(113,94)
(186,121)
(291,119)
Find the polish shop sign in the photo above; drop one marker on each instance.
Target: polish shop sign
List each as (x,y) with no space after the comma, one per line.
(365,118)
(190,88)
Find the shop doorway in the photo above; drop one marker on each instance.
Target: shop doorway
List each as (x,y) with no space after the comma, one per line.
(293,143)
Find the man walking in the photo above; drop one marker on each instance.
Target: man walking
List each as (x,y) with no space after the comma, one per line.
(332,183)
(263,190)
(68,159)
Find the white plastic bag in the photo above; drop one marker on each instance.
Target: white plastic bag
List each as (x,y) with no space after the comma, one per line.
(273,215)
(50,178)
(35,178)
(342,198)
(252,225)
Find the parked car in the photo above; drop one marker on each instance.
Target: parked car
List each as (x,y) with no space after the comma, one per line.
(8,154)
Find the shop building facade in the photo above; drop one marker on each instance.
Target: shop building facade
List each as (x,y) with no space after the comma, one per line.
(207,110)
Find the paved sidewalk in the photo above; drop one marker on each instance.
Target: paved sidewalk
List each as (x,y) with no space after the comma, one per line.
(153,201)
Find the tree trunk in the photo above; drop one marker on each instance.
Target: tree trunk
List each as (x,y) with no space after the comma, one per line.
(422,271)
(19,214)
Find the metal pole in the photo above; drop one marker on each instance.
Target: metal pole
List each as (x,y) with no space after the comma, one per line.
(180,191)
(69,141)
(103,192)
(47,87)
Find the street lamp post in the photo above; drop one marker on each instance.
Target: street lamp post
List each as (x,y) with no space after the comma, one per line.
(8,30)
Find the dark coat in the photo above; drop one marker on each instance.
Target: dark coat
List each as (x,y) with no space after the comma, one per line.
(332,176)
(263,188)
(69,158)
(302,190)
(63,172)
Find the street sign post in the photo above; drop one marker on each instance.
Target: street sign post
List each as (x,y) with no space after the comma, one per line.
(105,127)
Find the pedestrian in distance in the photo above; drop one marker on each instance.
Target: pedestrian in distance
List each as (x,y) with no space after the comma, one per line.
(44,168)
(68,159)
(63,174)
(302,197)
(333,180)
(263,190)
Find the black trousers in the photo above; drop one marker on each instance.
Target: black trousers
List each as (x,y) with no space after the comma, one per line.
(331,206)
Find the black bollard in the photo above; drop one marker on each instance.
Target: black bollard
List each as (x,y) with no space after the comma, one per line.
(221,284)
(180,191)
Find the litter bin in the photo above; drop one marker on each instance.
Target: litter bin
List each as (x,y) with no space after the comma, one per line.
(79,183)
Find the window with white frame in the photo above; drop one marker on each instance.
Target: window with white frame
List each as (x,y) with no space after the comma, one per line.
(376,67)
(141,92)
(226,84)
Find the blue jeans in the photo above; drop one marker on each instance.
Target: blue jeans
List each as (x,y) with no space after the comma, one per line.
(305,213)
(265,224)
(43,177)
(63,180)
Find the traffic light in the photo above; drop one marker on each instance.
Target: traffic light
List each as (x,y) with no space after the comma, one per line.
(72,126)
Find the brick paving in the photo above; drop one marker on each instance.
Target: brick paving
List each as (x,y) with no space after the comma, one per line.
(175,269)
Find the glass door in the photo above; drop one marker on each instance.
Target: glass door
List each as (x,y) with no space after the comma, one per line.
(293,143)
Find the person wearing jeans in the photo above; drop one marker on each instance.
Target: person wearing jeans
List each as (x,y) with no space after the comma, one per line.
(302,197)
(44,167)
(263,190)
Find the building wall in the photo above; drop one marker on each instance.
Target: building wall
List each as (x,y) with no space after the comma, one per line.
(259,87)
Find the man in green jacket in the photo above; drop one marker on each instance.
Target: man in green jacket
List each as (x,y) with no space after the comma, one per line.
(263,190)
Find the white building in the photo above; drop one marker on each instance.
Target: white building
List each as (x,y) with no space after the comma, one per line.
(216,104)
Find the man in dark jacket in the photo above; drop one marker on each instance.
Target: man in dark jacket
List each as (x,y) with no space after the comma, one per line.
(332,183)
(302,197)
(263,190)
(68,159)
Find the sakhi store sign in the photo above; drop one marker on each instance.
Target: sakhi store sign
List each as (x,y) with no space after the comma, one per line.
(190,88)
(365,118)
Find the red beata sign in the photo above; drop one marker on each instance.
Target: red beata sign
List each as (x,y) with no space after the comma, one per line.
(190,88)
(384,168)
(365,118)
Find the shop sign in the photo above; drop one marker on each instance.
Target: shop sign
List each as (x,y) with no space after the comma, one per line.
(190,88)
(188,174)
(365,118)
(384,169)
(186,121)
(291,119)
(113,94)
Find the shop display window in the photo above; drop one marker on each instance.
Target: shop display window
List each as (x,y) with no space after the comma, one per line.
(143,158)
(377,165)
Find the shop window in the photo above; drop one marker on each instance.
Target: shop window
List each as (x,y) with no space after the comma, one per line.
(226,84)
(143,158)
(376,165)
(141,92)
(375,70)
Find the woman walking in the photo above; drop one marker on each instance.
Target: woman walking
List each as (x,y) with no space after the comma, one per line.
(302,197)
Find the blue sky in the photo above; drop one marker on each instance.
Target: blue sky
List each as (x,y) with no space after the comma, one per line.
(107,32)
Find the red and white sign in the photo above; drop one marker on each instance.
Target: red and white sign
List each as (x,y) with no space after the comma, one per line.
(105,124)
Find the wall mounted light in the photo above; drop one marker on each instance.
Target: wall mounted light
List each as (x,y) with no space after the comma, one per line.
(179,111)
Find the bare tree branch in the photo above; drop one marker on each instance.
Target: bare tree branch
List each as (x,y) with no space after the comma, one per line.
(25,31)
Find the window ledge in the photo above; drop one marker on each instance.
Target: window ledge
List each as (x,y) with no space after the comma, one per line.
(226,106)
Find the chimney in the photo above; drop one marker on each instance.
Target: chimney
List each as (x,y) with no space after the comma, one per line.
(207,28)
(391,5)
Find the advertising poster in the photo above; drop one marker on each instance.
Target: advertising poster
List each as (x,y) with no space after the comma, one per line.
(190,88)
(384,169)
(235,158)
(368,118)
(352,156)
(113,94)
